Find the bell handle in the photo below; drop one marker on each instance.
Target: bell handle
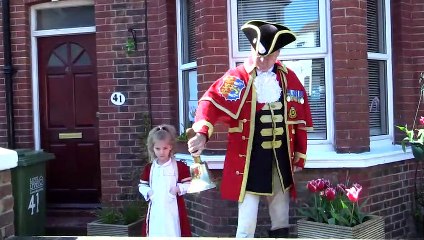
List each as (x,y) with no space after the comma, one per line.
(190,134)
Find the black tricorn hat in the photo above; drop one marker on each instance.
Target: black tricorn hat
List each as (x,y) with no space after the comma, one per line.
(267,37)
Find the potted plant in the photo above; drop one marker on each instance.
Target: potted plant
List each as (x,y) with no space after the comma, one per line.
(181,143)
(125,221)
(415,137)
(336,213)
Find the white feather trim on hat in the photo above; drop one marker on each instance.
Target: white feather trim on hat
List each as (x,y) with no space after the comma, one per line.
(267,88)
(261,47)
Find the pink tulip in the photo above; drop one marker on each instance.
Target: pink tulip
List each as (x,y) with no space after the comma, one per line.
(330,194)
(353,192)
(422,120)
(320,184)
(312,186)
(357,186)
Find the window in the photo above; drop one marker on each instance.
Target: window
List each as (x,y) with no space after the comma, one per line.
(58,18)
(378,67)
(187,72)
(308,56)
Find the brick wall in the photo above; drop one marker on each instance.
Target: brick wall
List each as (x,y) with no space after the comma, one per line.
(212,53)
(21,79)
(349,40)
(21,58)
(162,37)
(388,189)
(408,58)
(6,204)
(120,127)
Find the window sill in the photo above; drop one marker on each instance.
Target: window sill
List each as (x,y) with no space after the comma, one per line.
(9,159)
(323,156)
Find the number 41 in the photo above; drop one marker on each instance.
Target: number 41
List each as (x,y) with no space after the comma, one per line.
(33,204)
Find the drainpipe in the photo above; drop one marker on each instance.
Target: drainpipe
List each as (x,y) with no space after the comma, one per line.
(8,72)
(148,87)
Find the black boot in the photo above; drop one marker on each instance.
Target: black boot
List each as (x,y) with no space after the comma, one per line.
(279,233)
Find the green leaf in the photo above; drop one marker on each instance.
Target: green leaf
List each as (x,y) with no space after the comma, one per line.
(322,214)
(403,129)
(308,213)
(344,206)
(343,221)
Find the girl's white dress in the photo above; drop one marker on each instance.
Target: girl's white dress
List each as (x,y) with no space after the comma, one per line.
(163,209)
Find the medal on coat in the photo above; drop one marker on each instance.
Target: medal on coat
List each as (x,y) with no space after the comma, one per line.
(300,97)
(292,113)
(295,95)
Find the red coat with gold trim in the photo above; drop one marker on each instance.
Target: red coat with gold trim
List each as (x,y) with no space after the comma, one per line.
(229,100)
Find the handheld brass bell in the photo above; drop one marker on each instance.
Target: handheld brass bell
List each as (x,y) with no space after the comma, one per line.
(200,180)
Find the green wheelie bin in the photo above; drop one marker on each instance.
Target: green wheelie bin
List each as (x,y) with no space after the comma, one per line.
(29,192)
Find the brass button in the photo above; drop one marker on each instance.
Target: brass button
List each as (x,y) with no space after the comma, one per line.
(237,173)
(244,120)
(243,137)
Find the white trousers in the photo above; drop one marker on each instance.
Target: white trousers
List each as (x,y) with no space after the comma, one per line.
(278,205)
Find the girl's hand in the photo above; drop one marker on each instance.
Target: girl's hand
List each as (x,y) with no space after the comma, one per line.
(175,190)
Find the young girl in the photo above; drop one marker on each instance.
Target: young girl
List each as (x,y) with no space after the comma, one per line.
(163,182)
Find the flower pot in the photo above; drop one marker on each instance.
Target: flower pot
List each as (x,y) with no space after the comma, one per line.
(181,147)
(100,229)
(371,229)
(418,151)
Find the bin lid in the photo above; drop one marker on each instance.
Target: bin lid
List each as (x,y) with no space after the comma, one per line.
(8,159)
(28,157)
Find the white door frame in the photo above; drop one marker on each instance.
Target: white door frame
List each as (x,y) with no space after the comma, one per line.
(34,53)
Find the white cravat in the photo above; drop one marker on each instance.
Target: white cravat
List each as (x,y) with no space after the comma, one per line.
(267,88)
(258,72)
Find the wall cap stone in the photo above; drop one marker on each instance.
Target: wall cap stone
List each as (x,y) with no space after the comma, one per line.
(8,159)
(324,156)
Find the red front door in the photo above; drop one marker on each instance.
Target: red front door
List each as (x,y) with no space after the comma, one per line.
(69,124)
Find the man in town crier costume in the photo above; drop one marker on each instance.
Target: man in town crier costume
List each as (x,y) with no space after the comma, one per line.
(267,111)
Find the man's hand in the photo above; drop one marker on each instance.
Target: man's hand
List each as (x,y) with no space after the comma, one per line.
(175,190)
(297,168)
(196,144)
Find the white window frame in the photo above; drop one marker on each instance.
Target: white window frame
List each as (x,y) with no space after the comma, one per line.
(321,154)
(182,67)
(34,53)
(321,52)
(387,57)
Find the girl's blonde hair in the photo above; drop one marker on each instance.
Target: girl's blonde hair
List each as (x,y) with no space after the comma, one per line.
(160,133)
